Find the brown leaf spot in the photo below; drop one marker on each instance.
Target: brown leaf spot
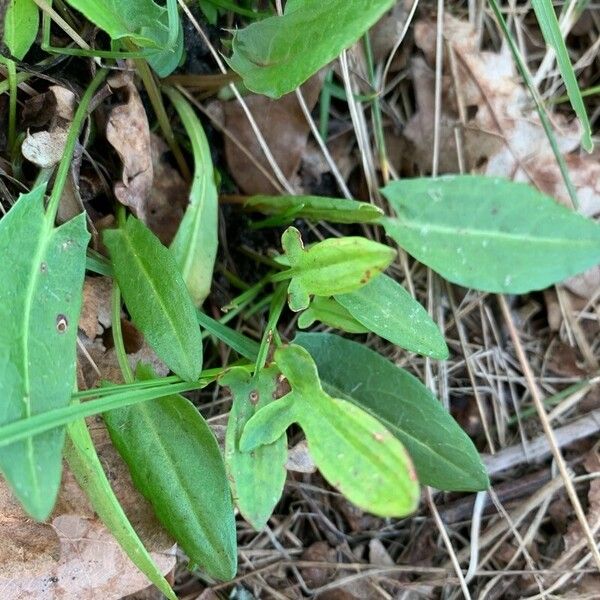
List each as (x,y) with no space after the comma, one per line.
(62,323)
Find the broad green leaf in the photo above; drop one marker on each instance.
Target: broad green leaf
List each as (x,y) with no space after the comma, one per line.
(85,465)
(156,296)
(384,307)
(143,22)
(21,23)
(243,345)
(333,266)
(490,234)
(195,244)
(175,462)
(277,54)
(329,312)
(315,208)
(444,456)
(354,452)
(41,271)
(256,478)
(546,17)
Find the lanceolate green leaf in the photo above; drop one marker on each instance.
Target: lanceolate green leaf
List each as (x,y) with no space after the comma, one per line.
(490,234)
(175,462)
(384,307)
(195,244)
(353,450)
(333,266)
(42,272)
(256,478)
(85,465)
(544,11)
(21,24)
(156,296)
(444,456)
(315,208)
(274,56)
(329,312)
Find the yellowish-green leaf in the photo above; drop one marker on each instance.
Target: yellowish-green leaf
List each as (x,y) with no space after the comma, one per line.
(21,23)
(353,450)
(333,266)
(444,456)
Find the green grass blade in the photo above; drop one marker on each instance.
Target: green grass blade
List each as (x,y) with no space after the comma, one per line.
(544,11)
(522,68)
(49,420)
(240,343)
(85,465)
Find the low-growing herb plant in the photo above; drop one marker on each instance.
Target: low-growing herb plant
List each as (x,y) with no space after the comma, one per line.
(373,430)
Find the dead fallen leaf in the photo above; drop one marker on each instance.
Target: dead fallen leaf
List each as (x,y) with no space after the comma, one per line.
(73,556)
(284,128)
(128,132)
(168,196)
(299,459)
(318,552)
(96,308)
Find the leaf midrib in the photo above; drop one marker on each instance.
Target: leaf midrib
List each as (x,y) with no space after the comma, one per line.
(403,221)
(157,295)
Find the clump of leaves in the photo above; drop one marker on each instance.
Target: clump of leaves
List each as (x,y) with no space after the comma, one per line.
(373,430)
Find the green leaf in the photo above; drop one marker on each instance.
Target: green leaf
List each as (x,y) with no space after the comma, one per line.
(256,478)
(353,451)
(333,266)
(21,23)
(277,54)
(234,339)
(546,17)
(143,22)
(175,462)
(329,312)
(384,307)
(444,457)
(315,208)
(156,296)
(85,465)
(195,244)
(41,271)
(490,234)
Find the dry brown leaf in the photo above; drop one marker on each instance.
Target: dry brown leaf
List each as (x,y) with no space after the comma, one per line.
(73,556)
(300,460)
(96,308)
(168,197)
(284,128)
(128,132)
(574,533)
(318,552)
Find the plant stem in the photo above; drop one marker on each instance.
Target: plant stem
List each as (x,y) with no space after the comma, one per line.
(65,162)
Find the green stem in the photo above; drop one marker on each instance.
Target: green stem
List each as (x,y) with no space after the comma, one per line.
(522,68)
(12,103)
(65,162)
(277,304)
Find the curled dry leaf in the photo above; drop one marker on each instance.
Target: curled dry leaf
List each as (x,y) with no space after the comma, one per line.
(53,110)
(168,196)
(502,134)
(128,132)
(73,555)
(284,128)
